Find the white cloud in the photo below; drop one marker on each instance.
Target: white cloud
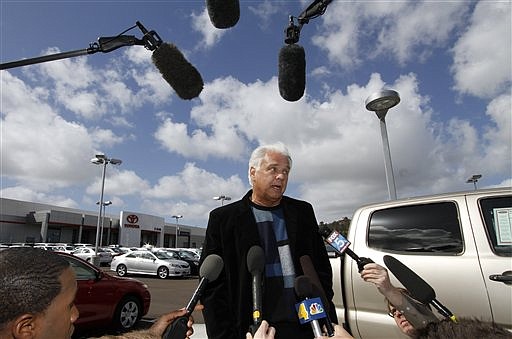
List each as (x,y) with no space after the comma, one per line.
(482,55)
(354,32)
(26,194)
(38,146)
(211,35)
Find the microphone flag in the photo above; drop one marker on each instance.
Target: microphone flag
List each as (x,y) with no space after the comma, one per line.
(310,309)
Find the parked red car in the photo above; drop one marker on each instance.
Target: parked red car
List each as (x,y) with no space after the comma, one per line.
(105,301)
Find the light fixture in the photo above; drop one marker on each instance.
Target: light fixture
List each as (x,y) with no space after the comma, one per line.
(474,179)
(380,102)
(222,198)
(101,159)
(177,217)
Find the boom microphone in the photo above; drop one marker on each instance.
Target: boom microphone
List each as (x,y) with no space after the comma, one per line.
(209,271)
(310,310)
(310,272)
(177,71)
(416,286)
(255,265)
(314,10)
(223,13)
(340,245)
(292,72)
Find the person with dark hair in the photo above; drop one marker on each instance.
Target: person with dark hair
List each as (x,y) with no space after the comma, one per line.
(408,313)
(37,291)
(286,229)
(464,328)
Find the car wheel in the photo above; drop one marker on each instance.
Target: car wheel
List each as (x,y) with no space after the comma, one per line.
(128,312)
(162,272)
(121,270)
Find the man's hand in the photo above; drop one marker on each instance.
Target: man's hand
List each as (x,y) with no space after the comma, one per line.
(158,328)
(264,332)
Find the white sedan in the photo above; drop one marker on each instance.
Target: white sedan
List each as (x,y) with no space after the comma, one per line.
(146,262)
(87,253)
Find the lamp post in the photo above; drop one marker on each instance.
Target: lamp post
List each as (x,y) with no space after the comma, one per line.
(105,204)
(474,179)
(380,102)
(222,198)
(101,159)
(177,217)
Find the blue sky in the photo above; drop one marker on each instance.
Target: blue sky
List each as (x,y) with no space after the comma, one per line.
(449,60)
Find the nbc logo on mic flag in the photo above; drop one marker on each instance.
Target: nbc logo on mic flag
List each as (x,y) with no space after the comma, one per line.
(309,310)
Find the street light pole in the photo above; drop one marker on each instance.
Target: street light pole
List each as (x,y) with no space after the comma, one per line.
(222,198)
(177,217)
(101,159)
(474,179)
(105,204)
(380,102)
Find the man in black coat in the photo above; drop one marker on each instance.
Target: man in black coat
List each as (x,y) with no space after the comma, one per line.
(285,229)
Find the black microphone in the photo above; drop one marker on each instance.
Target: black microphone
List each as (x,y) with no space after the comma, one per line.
(223,13)
(292,72)
(255,265)
(418,288)
(310,310)
(340,245)
(177,71)
(209,271)
(310,272)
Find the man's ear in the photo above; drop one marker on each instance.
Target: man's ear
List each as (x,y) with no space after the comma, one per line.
(24,326)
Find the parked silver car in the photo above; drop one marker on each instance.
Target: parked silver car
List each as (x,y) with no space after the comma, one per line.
(146,262)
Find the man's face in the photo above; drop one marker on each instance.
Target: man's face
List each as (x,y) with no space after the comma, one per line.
(270,179)
(57,320)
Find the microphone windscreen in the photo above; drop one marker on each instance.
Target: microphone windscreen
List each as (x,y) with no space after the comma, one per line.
(223,13)
(325,231)
(177,71)
(418,288)
(292,72)
(309,271)
(303,287)
(255,260)
(211,267)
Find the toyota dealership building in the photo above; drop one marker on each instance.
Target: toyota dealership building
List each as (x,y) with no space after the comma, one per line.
(29,222)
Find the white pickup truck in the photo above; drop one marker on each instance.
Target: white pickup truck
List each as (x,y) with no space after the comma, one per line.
(459,243)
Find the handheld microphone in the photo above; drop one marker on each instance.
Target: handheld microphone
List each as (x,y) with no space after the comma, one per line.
(310,272)
(209,271)
(417,287)
(292,72)
(340,245)
(223,13)
(310,310)
(177,71)
(255,265)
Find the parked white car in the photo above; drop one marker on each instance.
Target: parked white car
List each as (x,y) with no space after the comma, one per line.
(87,253)
(146,262)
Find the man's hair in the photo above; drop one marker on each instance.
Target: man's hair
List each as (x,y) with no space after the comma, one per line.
(259,153)
(464,328)
(29,281)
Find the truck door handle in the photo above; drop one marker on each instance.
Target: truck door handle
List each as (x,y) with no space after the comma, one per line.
(505,277)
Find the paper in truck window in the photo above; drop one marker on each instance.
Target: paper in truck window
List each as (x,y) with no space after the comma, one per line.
(503,225)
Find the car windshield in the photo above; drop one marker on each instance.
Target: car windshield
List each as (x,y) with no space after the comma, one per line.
(187,255)
(162,255)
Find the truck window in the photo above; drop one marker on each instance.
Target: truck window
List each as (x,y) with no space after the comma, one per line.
(421,228)
(497,215)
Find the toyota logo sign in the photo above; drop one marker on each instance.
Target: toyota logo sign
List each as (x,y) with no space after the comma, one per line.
(132,218)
